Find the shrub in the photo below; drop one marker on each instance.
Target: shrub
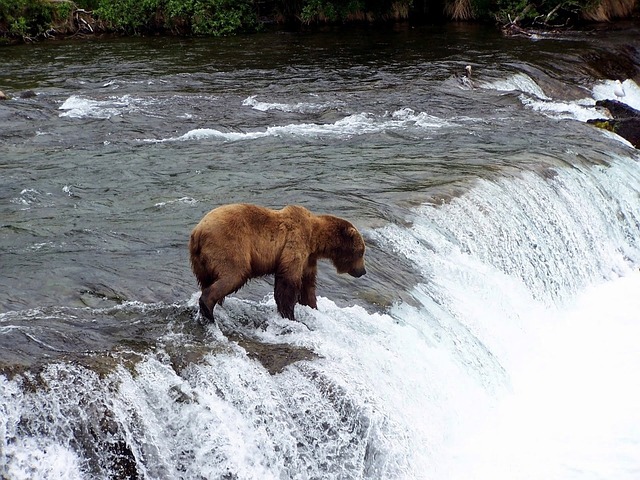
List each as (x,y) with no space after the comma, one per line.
(213,17)
(208,17)
(26,18)
(131,16)
(342,10)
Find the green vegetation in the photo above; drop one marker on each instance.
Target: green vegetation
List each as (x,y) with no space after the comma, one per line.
(199,17)
(25,17)
(542,12)
(30,19)
(323,11)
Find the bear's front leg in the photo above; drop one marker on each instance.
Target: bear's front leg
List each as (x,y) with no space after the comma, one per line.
(308,292)
(286,293)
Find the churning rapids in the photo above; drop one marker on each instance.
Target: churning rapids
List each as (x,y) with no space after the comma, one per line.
(495,335)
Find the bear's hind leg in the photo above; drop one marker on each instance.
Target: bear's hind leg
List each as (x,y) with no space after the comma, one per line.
(215,293)
(205,311)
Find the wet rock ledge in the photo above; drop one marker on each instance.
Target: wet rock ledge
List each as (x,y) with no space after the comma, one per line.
(625,120)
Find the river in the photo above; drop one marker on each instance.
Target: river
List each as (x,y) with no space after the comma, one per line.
(495,335)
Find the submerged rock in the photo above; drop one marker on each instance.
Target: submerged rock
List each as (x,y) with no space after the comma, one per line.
(3,96)
(274,357)
(625,120)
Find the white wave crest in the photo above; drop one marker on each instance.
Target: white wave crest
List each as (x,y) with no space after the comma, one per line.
(183,200)
(350,126)
(585,109)
(581,110)
(532,96)
(31,196)
(422,119)
(80,107)
(300,107)
(520,82)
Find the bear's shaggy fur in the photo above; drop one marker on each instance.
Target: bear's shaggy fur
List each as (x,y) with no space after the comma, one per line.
(234,243)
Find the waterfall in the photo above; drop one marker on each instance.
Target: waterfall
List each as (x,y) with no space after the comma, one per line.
(483,375)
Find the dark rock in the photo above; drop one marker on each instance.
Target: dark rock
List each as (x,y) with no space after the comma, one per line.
(621,63)
(618,109)
(625,120)
(273,357)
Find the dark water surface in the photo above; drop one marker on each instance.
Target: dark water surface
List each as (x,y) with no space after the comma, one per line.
(129,142)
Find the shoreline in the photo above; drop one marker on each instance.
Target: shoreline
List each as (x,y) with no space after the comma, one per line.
(73,23)
(507,30)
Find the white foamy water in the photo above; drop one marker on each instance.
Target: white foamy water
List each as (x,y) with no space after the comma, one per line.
(533,97)
(80,107)
(31,197)
(553,344)
(299,107)
(572,412)
(609,90)
(582,110)
(349,126)
(516,360)
(520,82)
(182,200)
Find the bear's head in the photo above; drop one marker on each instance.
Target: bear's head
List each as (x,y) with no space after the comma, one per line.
(349,254)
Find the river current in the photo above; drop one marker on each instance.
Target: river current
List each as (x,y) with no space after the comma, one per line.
(495,335)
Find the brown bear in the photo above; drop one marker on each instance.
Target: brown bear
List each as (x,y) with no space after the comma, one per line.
(234,243)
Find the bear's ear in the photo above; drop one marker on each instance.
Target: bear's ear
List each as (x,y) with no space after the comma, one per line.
(349,233)
(352,237)
(352,231)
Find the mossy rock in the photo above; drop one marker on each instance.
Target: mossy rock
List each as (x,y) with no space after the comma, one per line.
(625,121)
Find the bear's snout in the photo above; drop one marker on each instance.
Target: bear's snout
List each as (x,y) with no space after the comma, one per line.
(357,272)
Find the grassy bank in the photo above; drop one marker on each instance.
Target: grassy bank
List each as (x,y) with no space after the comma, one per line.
(28,20)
